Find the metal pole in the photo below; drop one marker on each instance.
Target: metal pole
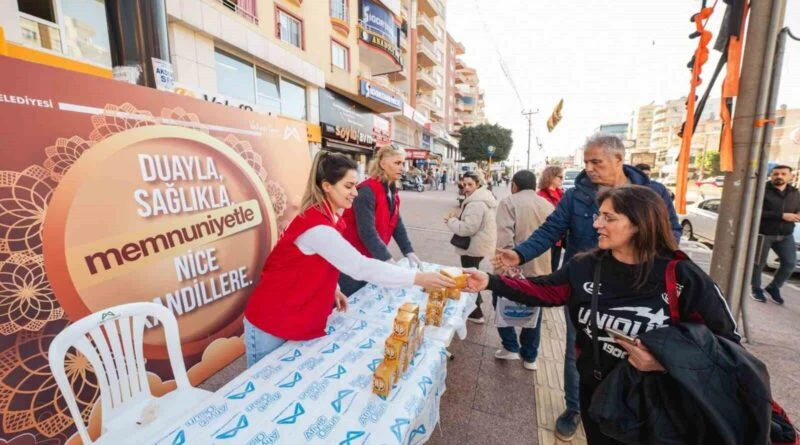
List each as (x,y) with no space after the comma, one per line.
(772,104)
(727,261)
(738,278)
(528,115)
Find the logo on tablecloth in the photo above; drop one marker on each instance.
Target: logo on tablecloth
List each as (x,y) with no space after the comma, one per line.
(418,431)
(397,428)
(292,419)
(321,427)
(372,413)
(367,344)
(292,356)
(330,350)
(290,380)
(424,383)
(241,424)
(374,365)
(208,414)
(248,388)
(351,436)
(180,438)
(360,326)
(314,391)
(340,397)
(263,402)
(263,438)
(338,373)
(330,330)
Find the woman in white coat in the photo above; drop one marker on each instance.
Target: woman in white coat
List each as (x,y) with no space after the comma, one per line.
(477,222)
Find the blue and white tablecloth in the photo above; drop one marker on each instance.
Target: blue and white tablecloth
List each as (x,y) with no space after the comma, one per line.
(374,303)
(320,392)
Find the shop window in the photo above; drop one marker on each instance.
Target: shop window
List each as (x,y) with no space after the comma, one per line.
(340,56)
(235,77)
(79,30)
(289,28)
(267,91)
(293,99)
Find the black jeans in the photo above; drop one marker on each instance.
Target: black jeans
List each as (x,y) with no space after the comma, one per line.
(348,285)
(473,261)
(786,250)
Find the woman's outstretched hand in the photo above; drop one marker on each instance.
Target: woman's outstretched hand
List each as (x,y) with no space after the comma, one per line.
(433,280)
(476,280)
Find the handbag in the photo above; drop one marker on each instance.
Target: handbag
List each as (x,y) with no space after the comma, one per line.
(462,242)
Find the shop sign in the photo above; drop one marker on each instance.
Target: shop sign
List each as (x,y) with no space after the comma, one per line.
(374,92)
(344,120)
(426,140)
(382,131)
(198,93)
(413,153)
(379,29)
(162,71)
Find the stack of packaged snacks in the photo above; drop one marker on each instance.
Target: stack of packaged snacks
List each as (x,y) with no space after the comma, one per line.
(435,307)
(399,349)
(459,277)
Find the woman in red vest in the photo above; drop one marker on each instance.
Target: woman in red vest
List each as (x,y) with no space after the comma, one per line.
(297,290)
(375,217)
(550,189)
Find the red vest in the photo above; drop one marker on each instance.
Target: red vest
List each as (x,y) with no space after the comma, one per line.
(384,224)
(295,294)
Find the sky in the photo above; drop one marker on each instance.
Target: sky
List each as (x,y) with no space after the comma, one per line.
(604,58)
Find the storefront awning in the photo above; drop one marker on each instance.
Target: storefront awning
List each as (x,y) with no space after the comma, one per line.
(413,153)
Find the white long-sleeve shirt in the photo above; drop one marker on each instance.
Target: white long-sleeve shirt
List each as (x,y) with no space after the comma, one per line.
(326,242)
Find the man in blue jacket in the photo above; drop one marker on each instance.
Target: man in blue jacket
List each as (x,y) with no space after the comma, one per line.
(603,156)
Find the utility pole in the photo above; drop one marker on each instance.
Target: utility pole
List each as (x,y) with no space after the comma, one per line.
(738,196)
(528,115)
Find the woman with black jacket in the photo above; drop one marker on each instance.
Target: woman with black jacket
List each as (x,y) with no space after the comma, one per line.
(635,247)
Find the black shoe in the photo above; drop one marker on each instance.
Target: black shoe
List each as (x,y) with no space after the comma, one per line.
(775,294)
(567,425)
(758,295)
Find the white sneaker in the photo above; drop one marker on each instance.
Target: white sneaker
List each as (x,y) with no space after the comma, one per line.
(504,354)
(530,366)
(479,320)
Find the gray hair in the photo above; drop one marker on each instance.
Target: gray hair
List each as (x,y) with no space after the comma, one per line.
(611,143)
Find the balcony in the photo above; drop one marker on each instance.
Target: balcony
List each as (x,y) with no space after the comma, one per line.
(425,80)
(426,54)
(431,7)
(426,28)
(248,13)
(340,17)
(425,102)
(399,76)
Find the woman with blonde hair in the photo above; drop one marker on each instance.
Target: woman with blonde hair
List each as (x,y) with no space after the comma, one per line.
(375,216)
(298,289)
(551,190)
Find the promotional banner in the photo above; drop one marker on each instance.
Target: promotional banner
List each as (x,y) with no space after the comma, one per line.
(112,193)
(379,31)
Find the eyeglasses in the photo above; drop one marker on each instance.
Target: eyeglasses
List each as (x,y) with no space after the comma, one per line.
(602,219)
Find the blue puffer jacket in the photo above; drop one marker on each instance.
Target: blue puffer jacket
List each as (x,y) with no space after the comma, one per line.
(575,213)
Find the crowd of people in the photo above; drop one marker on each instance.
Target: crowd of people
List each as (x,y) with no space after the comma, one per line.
(606,250)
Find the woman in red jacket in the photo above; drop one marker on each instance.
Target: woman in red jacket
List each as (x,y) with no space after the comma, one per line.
(297,290)
(550,189)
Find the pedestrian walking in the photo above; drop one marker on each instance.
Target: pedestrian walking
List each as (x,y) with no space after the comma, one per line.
(297,290)
(375,218)
(519,215)
(603,156)
(444,180)
(550,189)
(636,246)
(477,223)
(780,212)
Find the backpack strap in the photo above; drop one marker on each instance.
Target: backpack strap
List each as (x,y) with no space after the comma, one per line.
(670,278)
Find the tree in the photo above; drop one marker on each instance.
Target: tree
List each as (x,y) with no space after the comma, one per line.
(708,163)
(475,140)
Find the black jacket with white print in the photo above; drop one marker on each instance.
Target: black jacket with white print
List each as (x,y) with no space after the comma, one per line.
(620,306)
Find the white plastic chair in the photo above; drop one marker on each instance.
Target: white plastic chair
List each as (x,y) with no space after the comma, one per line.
(112,342)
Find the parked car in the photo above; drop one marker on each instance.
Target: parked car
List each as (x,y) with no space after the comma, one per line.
(700,220)
(717,181)
(700,223)
(569,178)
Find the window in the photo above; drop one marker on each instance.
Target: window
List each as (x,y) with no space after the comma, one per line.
(240,79)
(79,30)
(268,93)
(340,56)
(293,99)
(235,77)
(289,28)
(339,9)
(712,205)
